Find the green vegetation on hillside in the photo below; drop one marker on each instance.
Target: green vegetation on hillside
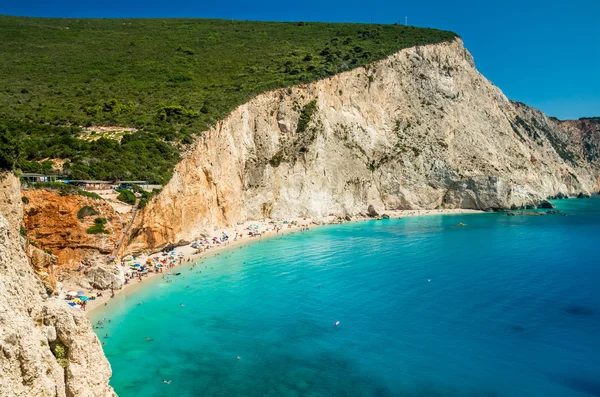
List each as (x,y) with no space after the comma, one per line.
(62,189)
(25,145)
(169,78)
(86,210)
(98,227)
(126,196)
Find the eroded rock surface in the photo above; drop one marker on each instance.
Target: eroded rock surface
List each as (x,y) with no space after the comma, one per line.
(47,348)
(53,224)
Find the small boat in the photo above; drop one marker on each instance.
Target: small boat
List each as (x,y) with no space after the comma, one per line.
(177,274)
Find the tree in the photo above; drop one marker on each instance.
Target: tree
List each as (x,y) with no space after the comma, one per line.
(10,148)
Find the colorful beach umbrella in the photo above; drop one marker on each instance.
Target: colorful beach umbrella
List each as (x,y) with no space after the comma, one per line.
(84,298)
(80,293)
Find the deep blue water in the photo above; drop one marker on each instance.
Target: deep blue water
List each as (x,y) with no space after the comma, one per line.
(512,309)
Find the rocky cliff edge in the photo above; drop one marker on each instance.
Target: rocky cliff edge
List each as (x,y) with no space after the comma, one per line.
(47,348)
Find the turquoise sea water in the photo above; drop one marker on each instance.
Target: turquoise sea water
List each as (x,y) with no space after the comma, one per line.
(512,309)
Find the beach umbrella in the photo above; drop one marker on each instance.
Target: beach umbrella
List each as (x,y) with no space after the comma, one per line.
(84,298)
(159,265)
(137,265)
(72,304)
(72,293)
(80,293)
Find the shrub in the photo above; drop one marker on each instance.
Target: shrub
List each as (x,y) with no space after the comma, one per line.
(64,189)
(126,196)
(98,227)
(61,352)
(91,195)
(306,115)
(23,231)
(86,211)
(276,159)
(25,200)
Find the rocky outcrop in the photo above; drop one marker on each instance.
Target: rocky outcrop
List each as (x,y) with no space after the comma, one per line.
(105,276)
(53,224)
(44,265)
(371,211)
(422,129)
(546,204)
(47,348)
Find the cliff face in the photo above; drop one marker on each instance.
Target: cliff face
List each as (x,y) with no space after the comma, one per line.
(585,133)
(52,222)
(421,129)
(46,347)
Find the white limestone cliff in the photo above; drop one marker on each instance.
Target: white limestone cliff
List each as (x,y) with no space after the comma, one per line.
(47,348)
(421,129)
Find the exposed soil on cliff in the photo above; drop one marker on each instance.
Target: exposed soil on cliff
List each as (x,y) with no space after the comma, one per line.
(60,224)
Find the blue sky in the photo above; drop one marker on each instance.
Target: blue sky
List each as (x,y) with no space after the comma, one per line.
(543,53)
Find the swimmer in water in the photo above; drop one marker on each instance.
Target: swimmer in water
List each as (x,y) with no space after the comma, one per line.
(168,382)
(106,336)
(336,323)
(140,303)
(238,357)
(181,304)
(149,339)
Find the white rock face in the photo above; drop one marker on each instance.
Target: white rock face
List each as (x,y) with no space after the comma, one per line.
(421,129)
(31,324)
(106,277)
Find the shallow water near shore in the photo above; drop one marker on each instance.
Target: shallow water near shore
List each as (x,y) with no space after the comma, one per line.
(503,307)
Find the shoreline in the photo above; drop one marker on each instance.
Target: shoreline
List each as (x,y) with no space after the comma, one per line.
(267,229)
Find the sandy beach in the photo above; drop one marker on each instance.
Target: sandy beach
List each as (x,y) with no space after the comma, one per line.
(267,229)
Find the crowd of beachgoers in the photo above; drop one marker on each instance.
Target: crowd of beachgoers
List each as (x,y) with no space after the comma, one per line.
(138,268)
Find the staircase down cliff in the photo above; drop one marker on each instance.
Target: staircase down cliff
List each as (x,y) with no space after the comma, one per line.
(421,129)
(46,347)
